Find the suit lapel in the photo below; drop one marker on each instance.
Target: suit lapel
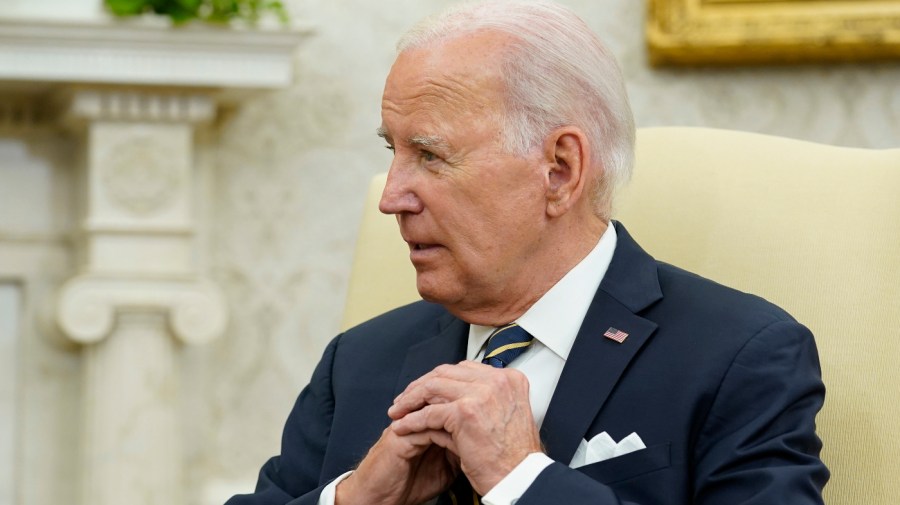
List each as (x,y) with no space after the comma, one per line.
(595,362)
(448,345)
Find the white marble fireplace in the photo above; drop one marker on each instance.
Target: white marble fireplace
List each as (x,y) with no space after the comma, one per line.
(101,278)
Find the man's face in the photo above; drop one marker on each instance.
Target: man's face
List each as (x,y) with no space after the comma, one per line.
(470,212)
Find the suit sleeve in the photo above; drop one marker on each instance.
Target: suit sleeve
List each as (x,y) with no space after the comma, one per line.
(292,478)
(758,444)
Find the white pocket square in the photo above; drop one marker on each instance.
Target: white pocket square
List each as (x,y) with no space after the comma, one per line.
(603,447)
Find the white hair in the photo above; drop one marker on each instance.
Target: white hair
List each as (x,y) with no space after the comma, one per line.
(558,73)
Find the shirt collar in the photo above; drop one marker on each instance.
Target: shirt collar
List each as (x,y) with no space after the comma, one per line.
(554,320)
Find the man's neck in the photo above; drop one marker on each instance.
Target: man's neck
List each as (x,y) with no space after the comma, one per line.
(556,262)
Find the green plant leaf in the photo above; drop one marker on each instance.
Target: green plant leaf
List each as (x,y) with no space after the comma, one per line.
(126,7)
(210,11)
(280,12)
(226,6)
(190,5)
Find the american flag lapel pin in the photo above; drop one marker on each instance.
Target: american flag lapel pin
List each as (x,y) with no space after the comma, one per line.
(614,334)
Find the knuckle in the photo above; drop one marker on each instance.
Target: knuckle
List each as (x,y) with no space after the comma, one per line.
(514,378)
(500,379)
(432,386)
(442,370)
(415,420)
(468,407)
(430,415)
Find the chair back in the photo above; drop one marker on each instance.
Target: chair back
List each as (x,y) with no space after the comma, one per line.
(816,230)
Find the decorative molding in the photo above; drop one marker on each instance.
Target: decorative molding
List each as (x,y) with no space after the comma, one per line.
(21,113)
(129,230)
(146,53)
(138,176)
(138,173)
(690,32)
(131,105)
(87,305)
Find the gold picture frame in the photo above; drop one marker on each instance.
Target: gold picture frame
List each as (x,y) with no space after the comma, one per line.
(695,32)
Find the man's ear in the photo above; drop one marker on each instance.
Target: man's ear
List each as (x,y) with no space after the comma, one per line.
(567,157)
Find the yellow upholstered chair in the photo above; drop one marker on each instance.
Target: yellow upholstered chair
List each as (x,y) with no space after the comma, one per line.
(812,228)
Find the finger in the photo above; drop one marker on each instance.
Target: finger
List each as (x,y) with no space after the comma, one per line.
(434,391)
(431,417)
(469,380)
(430,389)
(429,438)
(461,371)
(475,365)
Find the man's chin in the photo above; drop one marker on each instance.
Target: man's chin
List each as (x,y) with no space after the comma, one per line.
(434,290)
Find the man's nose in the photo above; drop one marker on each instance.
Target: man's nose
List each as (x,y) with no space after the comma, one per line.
(399,194)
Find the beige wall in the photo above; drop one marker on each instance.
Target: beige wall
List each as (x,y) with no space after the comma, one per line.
(284,175)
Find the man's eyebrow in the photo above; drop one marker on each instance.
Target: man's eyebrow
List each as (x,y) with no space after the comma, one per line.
(415,140)
(428,141)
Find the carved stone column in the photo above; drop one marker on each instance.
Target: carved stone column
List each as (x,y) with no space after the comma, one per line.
(138,294)
(134,90)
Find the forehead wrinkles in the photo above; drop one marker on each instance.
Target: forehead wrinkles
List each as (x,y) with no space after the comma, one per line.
(447,90)
(466,93)
(445,93)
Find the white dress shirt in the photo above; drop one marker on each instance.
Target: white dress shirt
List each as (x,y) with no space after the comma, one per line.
(553,321)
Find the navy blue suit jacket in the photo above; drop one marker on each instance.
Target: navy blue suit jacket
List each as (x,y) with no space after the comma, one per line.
(722,387)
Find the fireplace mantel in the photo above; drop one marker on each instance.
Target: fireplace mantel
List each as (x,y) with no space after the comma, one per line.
(146,52)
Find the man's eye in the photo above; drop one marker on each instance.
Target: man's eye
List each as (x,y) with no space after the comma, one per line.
(428,156)
(389,147)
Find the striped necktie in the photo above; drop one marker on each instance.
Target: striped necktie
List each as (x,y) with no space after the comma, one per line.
(505,344)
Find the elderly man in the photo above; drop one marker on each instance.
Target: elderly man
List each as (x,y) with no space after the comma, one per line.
(553,360)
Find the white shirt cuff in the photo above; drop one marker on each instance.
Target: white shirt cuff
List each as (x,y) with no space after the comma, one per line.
(513,486)
(326,497)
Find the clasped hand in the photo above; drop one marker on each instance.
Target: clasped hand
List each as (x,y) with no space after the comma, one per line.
(468,417)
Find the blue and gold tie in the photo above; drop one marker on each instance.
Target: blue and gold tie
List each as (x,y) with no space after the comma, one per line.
(505,344)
